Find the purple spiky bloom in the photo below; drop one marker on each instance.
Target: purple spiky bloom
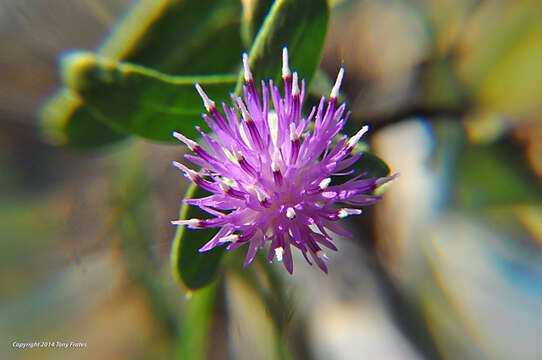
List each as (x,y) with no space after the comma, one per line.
(270,176)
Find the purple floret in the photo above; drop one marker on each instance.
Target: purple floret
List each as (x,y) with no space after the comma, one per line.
(271,181)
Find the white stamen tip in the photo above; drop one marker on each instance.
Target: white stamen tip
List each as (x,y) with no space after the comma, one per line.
(285,68)
(290,213)
(274,166)
(346,212)
(231,238)
(190,143)
(278,252)
(324,183)
(293,132)
(355,139)
(295,86)
(208,103)
(337,86)
(189,222)
(248,74)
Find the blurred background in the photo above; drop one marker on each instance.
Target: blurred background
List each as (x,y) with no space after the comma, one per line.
(447,266)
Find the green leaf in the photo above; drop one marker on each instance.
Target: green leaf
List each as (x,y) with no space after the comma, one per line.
(372,165)
(170,35)
(191,268)
(137,100)
(165,35)
(368,162)
(299,24)
(196,323)
(65,121)
(254,13)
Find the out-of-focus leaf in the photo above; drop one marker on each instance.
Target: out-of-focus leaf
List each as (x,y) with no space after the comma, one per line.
(181,37)
(299,24)
(137,100)
(494,175)
(197,319)
(66,121)
(191,268)
(165,35)
(254,12)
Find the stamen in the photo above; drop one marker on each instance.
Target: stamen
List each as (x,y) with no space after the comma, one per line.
(190,143)
(293,132)
(231,238)
(243,163)
(244,110)
(248,74)
(290,213)
(295,86)
(346,212)
(335,91)
(261,195)
(179,166)
(329,194)
(277,176)
(224,187)
(276,156)
(294,138)
(274,166)
(324,183)
(208,103)
(231,191)
(193,223)
(191,174)
(279,252)
(285,68)
(355,139)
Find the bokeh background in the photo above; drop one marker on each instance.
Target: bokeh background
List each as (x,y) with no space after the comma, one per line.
(447,266)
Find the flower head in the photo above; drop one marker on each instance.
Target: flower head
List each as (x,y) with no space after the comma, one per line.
(270,173)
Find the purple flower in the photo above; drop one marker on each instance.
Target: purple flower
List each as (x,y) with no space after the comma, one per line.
(270,174)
